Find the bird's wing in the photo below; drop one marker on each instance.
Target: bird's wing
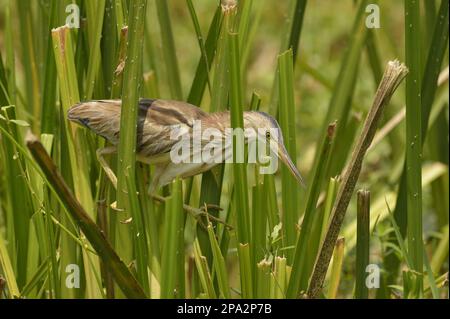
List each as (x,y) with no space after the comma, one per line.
(167,113)
(162,123)
(157,119)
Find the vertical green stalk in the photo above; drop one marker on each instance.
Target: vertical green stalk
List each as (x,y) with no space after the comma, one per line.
(201,75)
(241,199)
(437,141)
(173,251)
(263,270)
(65,66)
(280,277)
(10,58)
(272,205)
(245,266)
(7,268)
(48,108)
(150,223)
(429,8)
(329,201)
(120,16)
(217,42)
(139,236)
(362,243)
(169,50)
(219,265)
(336,268)
(290,187)
(64,56)
(434,60)
(20,206)
(237,121)
(203,52)
(95,12)
(221,81)
(109,43)
(29,58)
(297,23)
(438,151)
(217,48)
(429,84)
(130,98)
(43,224)
(290,39)
(414,137)
(245,9)
(259,224)
(203,271)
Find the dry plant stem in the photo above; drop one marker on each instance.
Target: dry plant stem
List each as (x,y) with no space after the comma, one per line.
(93,233)
(392,77)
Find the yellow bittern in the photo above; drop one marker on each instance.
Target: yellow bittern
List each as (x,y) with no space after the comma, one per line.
(156,120)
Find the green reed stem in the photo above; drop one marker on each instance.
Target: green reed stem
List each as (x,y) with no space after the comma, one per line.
(414,136)
(362,243)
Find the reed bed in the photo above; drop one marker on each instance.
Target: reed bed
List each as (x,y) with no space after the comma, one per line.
(371,221)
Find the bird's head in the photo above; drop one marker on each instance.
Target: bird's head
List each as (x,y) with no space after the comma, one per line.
(268,130)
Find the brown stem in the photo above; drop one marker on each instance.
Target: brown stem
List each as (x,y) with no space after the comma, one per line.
(93,233)
(393,75)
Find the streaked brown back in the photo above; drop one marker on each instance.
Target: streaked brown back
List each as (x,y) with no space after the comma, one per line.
(155,121)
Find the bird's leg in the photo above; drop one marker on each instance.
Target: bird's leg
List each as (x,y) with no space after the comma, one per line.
(104,164)
(203,211)
(210,206)
(159,170)
(197,213)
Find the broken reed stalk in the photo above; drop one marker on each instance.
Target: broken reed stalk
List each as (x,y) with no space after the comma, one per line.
(93,233)
(393,75)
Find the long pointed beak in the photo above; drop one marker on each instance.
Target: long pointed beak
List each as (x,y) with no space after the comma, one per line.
(286,159)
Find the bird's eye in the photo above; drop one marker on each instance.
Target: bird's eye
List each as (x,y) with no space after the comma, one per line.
(267,135)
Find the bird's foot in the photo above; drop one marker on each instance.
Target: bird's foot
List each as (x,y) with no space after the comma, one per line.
(206,207)
(198,213)
(203,212)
